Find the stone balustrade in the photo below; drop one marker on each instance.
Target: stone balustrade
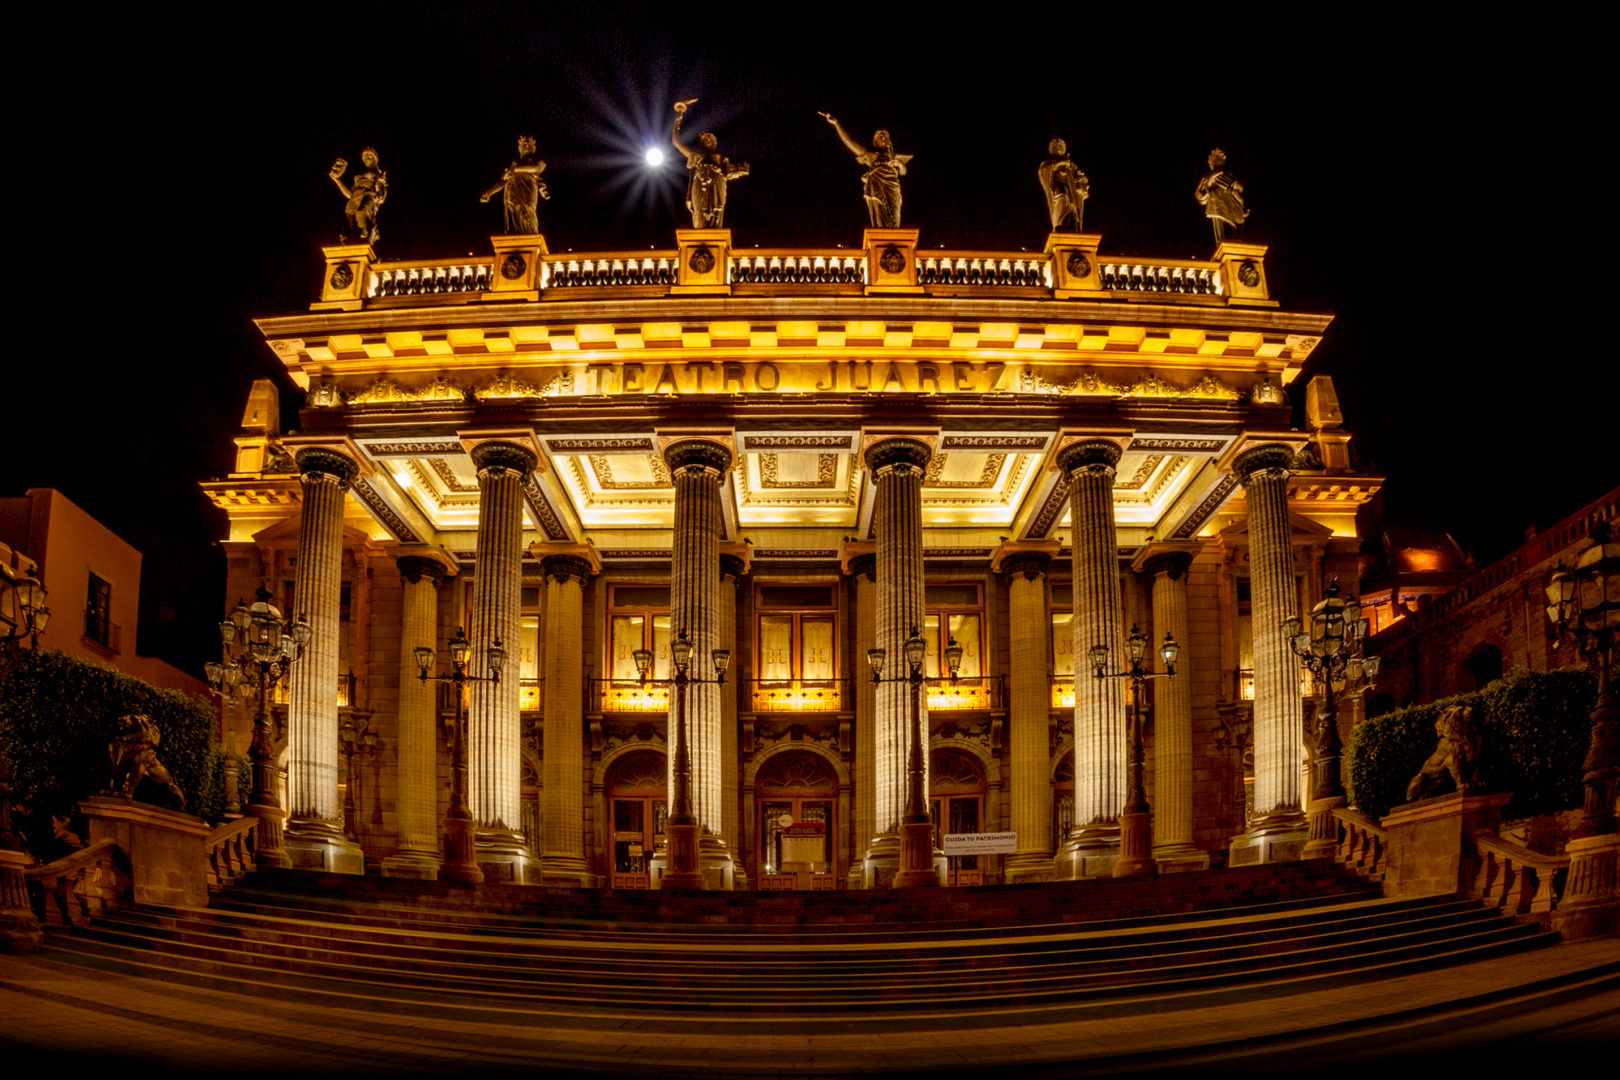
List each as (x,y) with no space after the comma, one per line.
(1516,879)
(798,268)
(390,280)
(82,885)
(608,270)
(1363,846)
(229,851)
(984,269)
(1165,276)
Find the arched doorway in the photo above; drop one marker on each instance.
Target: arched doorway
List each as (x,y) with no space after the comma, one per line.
(956,803)
(797,793)
(1063,799)
(638,806)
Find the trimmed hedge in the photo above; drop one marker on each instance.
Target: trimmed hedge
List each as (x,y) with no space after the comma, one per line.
(58,714)
(1535,727)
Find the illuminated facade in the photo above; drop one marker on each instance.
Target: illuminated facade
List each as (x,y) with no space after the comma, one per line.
(797,456)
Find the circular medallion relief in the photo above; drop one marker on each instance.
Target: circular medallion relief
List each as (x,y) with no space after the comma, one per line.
(1079,265)
(513,267)
(1249,274)
(701,261)
(342,276)
(892,260)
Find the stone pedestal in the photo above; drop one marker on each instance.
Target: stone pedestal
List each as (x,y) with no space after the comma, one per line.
(1591,903)
(168,863)
(1431,842)
(19,926)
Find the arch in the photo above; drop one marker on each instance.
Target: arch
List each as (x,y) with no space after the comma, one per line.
(829,757)
(798,772)
(636,771)
(802,780)
(610,757)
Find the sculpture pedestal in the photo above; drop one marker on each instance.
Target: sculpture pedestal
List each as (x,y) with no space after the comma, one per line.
(1431,842)
(168,860)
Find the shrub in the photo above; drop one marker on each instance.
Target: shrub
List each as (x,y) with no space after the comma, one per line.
(1534,729)
(58,714)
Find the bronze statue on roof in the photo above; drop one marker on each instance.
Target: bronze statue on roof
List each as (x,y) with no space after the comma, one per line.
(1065,185)
(707,172)
(1221,196)
(880,184)
(366,191)
(522,189)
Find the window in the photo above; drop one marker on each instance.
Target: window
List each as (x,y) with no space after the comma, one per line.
(529,650)
(1062,646)
(955,612)
(638,618)
(797,647)
(98,625)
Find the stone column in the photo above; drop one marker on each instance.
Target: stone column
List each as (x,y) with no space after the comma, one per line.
(418,779)
(862,567)
(562,818)
(1029,621)
(1100,705)
(699,468)
(1173,846)
(1277,831)
(898,466)
(494,729)
(315,837)
(733,569)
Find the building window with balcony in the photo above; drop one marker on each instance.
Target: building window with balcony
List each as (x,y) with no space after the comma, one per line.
(98,624)
(1062,645)
(638,618)
(529,650)
(955,612)
(797,647)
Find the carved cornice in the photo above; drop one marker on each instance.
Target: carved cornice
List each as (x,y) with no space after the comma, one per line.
(898,455)
(1096,457)
(1032,564)
(503,456)
(864,563)
(384,513)
(542,509)
(416,567)
(564,568)
(1207,506)
(701,455)
(316,462)
(1271,459)
(1174,563)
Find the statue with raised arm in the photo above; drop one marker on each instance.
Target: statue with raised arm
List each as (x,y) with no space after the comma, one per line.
(880,184)
(1065,185)
(1221,196)
(522,189)
(366,192)
(707,171)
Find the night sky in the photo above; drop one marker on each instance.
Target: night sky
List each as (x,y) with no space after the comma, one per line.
(1427,176)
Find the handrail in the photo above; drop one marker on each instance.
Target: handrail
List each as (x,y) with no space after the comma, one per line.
(82,885)
(1516,879)
(229,850)
(1363,843)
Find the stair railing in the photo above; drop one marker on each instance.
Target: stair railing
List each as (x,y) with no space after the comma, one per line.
(79,886)
(229,850)
(1363,845)
(1516,879)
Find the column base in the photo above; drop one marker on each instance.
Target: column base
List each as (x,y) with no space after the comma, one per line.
(566,871)
(420,865)
(1277,837)
(1026,867)
(503,856)
(682,870)
(882,861)
(269,845)
(1323,842)
(917,864)
(1180,857)
(1135,847)
(19,927)
(1090,852)
(313,844)
(1591,904)
(715,864)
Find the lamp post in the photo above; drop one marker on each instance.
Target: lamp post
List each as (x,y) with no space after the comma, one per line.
(353,739)
(32,614)
(916,829)
(1136,822)
(257,639)
(1584,603)
(460,830)
(682,871)
(1332,651)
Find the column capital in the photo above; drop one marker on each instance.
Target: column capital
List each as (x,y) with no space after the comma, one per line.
(1031,558)
(1244,456)
(435,564)
(701,454)
(319,462)
(858,557)
(1095,456)
(566,561)
(736,560)
(1163,561)
(1269,459)
(898,453)
(499,456)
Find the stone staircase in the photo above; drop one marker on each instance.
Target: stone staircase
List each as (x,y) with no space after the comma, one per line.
(793,962)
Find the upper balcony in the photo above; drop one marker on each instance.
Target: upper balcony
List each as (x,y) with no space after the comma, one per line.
(704,262)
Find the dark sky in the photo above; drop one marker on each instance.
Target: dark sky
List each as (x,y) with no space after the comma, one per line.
(1425,174)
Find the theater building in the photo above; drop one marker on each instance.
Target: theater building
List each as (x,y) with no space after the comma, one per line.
(797,456)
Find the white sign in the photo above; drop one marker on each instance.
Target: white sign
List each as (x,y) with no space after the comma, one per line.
(982,843)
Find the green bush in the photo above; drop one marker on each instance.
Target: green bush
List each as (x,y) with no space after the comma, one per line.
(1534,728)
(58,714)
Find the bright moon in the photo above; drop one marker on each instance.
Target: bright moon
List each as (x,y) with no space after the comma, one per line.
(655,156)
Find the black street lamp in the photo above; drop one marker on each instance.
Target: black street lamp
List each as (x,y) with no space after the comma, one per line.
(1584,603)
(1332,651)
(460,830)
(683,871)
(1136,822)
(257,639)
(916,829)
(32,614)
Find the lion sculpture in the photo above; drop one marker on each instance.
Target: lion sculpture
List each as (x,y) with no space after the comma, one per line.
(135,760)
(1457,753)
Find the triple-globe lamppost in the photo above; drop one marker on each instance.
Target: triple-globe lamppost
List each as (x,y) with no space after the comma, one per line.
(916,828)
(1332,650)
(259,649)
(460,830)
(1136,822)
(1583,602)
(682,871)
(32,614)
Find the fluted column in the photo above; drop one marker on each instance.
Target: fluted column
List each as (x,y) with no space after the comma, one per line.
(1173,845)
(1099,704)
(698,468)
(1277,831)
(418,733)
(315,824)
(732,571)
(562,828)
(898,466)
(863,569)
(1029,624)
(494,729)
